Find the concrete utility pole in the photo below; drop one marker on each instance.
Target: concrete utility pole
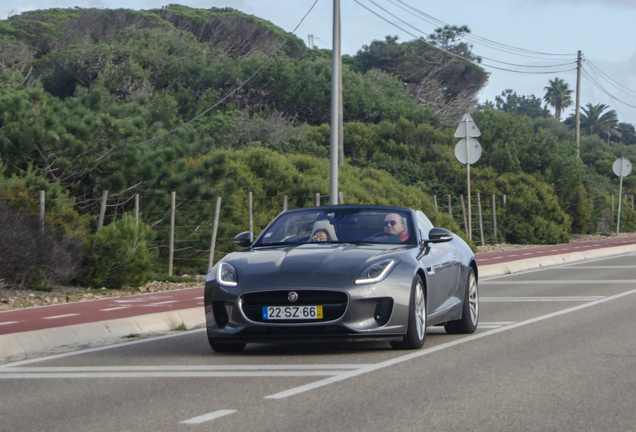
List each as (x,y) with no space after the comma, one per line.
(335,104)
(578,105)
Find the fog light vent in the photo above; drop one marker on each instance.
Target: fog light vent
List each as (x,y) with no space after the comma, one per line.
(383,311)
(220,314)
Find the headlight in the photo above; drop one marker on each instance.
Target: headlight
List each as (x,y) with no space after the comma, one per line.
(226,275)
(375,273)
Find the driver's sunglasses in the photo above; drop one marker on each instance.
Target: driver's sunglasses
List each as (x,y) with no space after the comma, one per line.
(392,222)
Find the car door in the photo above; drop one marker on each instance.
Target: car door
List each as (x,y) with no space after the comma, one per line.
(440,263)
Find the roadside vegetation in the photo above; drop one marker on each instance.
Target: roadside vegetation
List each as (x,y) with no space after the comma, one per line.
(80,88)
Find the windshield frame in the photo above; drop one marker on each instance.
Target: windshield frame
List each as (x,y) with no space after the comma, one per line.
(342,209)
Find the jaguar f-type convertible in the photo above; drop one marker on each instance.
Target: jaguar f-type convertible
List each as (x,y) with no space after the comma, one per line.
(342,273)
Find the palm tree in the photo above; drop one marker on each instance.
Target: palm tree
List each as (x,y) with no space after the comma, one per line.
(558,95)
(595,121)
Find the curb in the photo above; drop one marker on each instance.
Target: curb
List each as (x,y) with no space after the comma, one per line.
(551,260)
(15,346)
(20,345)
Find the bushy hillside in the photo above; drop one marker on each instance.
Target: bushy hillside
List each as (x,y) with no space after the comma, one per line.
(81,88)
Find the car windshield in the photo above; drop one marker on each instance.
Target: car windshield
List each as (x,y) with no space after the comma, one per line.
(353,225)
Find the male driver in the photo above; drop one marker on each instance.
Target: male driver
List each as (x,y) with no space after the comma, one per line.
(395,224)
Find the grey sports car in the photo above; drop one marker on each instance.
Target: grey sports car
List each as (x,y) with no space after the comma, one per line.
(347,272)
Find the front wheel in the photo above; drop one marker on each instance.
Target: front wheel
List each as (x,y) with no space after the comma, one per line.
(416,332)
(470,310)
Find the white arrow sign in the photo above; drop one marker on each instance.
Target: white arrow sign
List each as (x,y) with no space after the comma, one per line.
(467,124)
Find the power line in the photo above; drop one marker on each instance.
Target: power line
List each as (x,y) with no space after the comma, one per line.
(612,81)
(431,19)
(457,55)
(239,87)
(489,59)
(600,87)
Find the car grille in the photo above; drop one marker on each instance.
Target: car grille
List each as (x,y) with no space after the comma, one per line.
(334,304)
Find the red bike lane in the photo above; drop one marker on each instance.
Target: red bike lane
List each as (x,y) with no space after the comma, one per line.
(110,308)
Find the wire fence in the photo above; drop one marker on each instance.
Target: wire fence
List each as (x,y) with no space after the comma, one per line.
(193,231)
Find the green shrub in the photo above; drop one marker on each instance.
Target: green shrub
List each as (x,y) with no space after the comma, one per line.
(119,255)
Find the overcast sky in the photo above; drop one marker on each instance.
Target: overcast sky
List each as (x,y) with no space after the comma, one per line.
(601,29)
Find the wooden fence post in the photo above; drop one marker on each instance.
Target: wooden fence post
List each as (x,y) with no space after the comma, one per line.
(284,202)
(214,229)
(173,208)
(504,200)
(317,200)
(102,210)
(137,208)
(340,197)
(42,208)
(464,214)
(481,225)
(494,216)
(450,209)
(435,201)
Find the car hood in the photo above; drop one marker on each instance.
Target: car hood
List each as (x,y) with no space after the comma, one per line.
(307,265)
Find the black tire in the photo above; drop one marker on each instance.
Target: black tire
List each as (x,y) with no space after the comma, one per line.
(225,347)
(415,334)
(470,309)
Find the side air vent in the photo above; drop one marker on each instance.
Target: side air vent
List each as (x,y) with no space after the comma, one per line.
(383,311)
(220,314)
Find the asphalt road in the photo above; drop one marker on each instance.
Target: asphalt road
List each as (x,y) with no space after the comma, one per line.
(556,350)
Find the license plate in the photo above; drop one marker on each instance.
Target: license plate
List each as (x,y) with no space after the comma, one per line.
(292,312)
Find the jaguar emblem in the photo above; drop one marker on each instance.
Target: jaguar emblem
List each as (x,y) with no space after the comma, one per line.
(292,296)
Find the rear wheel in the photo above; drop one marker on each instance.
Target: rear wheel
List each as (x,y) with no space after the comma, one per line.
(225,347)
(416,332)
(470,311)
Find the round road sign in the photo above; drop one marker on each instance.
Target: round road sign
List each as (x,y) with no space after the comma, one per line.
(622,167)
(475,151)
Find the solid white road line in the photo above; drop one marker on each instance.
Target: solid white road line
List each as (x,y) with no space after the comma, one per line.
(538,299)
(114,308)
(208,417)
(61,316)
(9,322)
(239,374)
(200,368)
(407,357)
(558,282)
(584,267)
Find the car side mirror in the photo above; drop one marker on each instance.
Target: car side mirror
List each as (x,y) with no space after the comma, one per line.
(244,239)
(439,235)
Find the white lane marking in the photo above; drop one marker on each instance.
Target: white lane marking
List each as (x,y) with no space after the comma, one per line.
(114,308)
(60,316)
(538,299)
(102,348)
(244,374)
(129,301)
(190,368)
(162,303)
(558,282)
(513,255)
(199,298)
(493,325)
(208,417)
(529,253)
(497,257)
(582,267)
(407,357)
(9,322)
